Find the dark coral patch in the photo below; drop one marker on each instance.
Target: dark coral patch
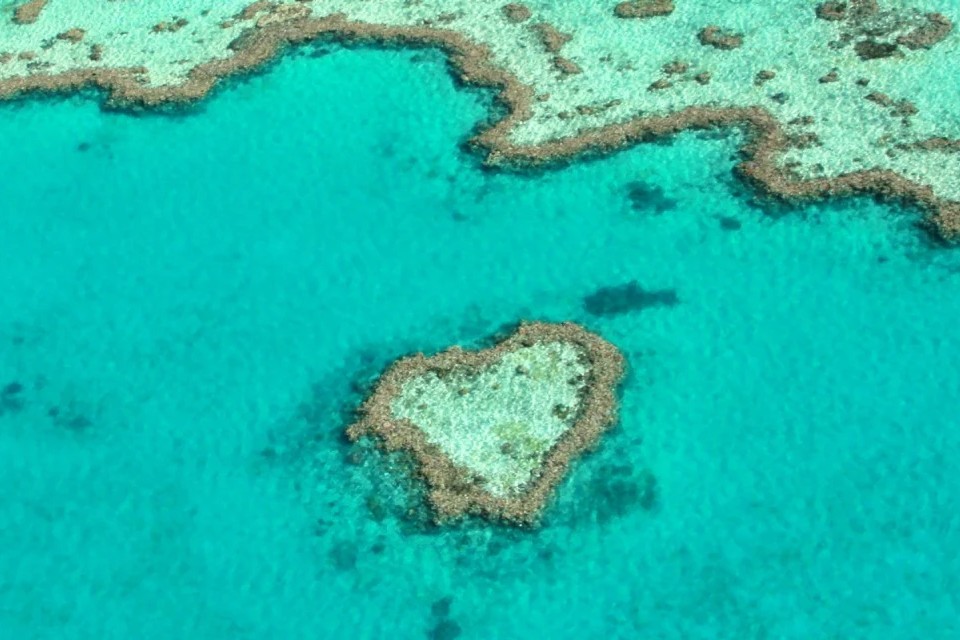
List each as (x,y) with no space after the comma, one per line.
(730,224)
(444,630)
(441,608)
(643,8)
(615,491)
(12,389)
(873,50)
(11,398)
(645,197)
(69,419)
(343,555)
(714,36)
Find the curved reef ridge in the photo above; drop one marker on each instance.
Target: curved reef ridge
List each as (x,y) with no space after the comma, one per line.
(837,97)
(494,431)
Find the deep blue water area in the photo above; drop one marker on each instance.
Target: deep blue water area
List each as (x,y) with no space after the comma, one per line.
(191,305)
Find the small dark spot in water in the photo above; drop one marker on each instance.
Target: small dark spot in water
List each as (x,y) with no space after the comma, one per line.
(730,224)
(269,453)
(69,419)
(83,147)
(645,197)
(388,149)
(321,527)
(626,298)
(882,259)
(485,190)
(441,608)
(343,555)
(648,491)
(12,389)
(780,98)
(378,548)
(11,398)
(75,423)
(496,547)
(459,217)
(319,52)
(376,508)
(615,491)
(17,340)
(444,630)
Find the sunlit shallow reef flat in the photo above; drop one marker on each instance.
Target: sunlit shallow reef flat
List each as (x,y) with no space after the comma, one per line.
(840,97)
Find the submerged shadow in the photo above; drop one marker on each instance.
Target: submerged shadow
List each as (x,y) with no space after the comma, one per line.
(627,298)
(646,197)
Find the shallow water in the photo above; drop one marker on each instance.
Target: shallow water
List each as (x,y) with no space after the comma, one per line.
(192,304)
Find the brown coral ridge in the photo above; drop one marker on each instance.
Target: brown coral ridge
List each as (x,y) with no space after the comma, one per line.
(832,10)
(516,12)
(856,9)
(937,28)
(473,64)
(643,8)
(170,27)
(551,38)
(452,490)
(28,12)
(934,145)
(714,36)
(72,35)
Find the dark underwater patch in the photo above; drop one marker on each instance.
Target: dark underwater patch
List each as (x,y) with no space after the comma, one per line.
(444,630)
(617,490)
(441,607)
(11,398)
(646,198)
(69,419)
(627,298)
(729,224)
(343,555)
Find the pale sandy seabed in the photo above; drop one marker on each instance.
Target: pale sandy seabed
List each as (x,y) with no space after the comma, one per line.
(858,98)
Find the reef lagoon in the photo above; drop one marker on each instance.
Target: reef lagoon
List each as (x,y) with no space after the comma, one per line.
(196,300)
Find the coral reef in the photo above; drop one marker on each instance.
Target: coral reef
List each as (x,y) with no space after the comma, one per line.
(493,431)
(28,12)
(718,38)
(570,83)
(517,12)
(643,8)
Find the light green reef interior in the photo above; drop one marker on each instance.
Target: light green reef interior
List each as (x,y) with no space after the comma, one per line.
(618,60)
(499,422)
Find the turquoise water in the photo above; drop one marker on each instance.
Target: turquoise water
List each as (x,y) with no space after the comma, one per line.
(192,304)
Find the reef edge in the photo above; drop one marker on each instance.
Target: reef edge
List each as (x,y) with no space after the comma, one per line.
(473,65)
